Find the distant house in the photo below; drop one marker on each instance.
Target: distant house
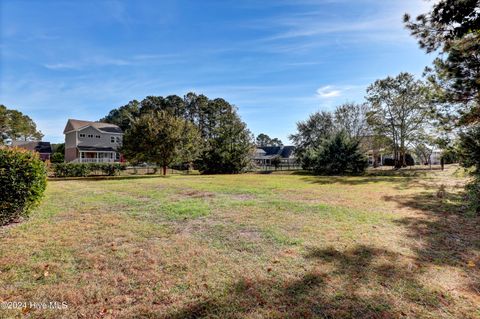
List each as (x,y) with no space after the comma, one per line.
(263,155)
(92,142)
(44,149)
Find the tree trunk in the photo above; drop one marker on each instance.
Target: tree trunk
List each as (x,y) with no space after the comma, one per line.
(164,170)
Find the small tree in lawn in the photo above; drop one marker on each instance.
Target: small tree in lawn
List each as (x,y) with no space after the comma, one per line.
(337,155)
(161,138)
(310,134)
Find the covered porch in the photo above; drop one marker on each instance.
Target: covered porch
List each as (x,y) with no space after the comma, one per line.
(97,155)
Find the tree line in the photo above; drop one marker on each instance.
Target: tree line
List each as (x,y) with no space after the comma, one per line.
(193,130)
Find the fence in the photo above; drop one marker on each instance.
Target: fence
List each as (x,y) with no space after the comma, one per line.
(281,167)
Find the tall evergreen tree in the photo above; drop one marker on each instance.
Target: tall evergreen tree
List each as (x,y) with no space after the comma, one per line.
(452,28)
(229,143)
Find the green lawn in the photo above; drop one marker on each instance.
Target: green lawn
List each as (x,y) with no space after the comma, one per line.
(247,246)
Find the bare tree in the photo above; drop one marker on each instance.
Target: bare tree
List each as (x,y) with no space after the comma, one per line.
(400,110)
(352,118)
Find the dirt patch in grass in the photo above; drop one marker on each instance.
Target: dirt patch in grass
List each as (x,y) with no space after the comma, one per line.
(196,194)
(222,234)
(242,197)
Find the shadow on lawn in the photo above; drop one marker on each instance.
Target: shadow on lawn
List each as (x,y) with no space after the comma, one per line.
(359,180)
(364,283)
(443,232)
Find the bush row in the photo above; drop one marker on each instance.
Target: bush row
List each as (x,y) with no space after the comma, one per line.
(23,178)
(85,169)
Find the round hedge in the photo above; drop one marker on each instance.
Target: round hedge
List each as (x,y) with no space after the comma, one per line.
(23,179)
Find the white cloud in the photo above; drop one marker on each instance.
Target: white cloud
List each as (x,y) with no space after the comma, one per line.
(96,61)
(81,63)
(329,91)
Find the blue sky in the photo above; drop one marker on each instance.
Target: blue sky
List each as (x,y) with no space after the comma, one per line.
(276,60)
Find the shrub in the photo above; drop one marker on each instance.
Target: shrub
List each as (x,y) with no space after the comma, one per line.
(57,158)
(85,169)
(388,161)
(23,178)
(338,155)
(71,170)
(112,169)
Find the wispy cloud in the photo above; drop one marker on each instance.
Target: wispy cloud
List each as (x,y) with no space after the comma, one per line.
(99,61)
(313,26)
(329,91)
(92,61)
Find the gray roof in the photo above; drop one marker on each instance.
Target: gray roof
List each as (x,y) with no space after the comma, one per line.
(37,146)
(73,125)
(272,151)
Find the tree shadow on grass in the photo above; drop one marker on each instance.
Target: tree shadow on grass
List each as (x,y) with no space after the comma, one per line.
(443,233)
(399,182)
(363,282)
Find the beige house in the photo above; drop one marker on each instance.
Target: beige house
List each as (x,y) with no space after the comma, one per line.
(92,142)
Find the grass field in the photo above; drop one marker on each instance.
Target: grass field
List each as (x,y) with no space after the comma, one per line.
(247,246)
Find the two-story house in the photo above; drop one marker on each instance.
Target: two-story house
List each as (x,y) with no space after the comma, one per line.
(92,142)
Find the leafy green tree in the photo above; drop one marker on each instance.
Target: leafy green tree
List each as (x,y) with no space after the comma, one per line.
(214,119)
(124,115)
(58,148)
(452,29)
(230,144)
(57,157)
(400,108)
(264,140)
(337,155)
(311,133)
(22,127)
(161,138)
(14,125)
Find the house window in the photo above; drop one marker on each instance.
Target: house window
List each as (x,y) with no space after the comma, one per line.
(90,135)
(118,139)
(97,136)
(82,135)
(112,139)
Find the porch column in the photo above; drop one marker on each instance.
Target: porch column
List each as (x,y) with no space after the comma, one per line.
(80,159)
